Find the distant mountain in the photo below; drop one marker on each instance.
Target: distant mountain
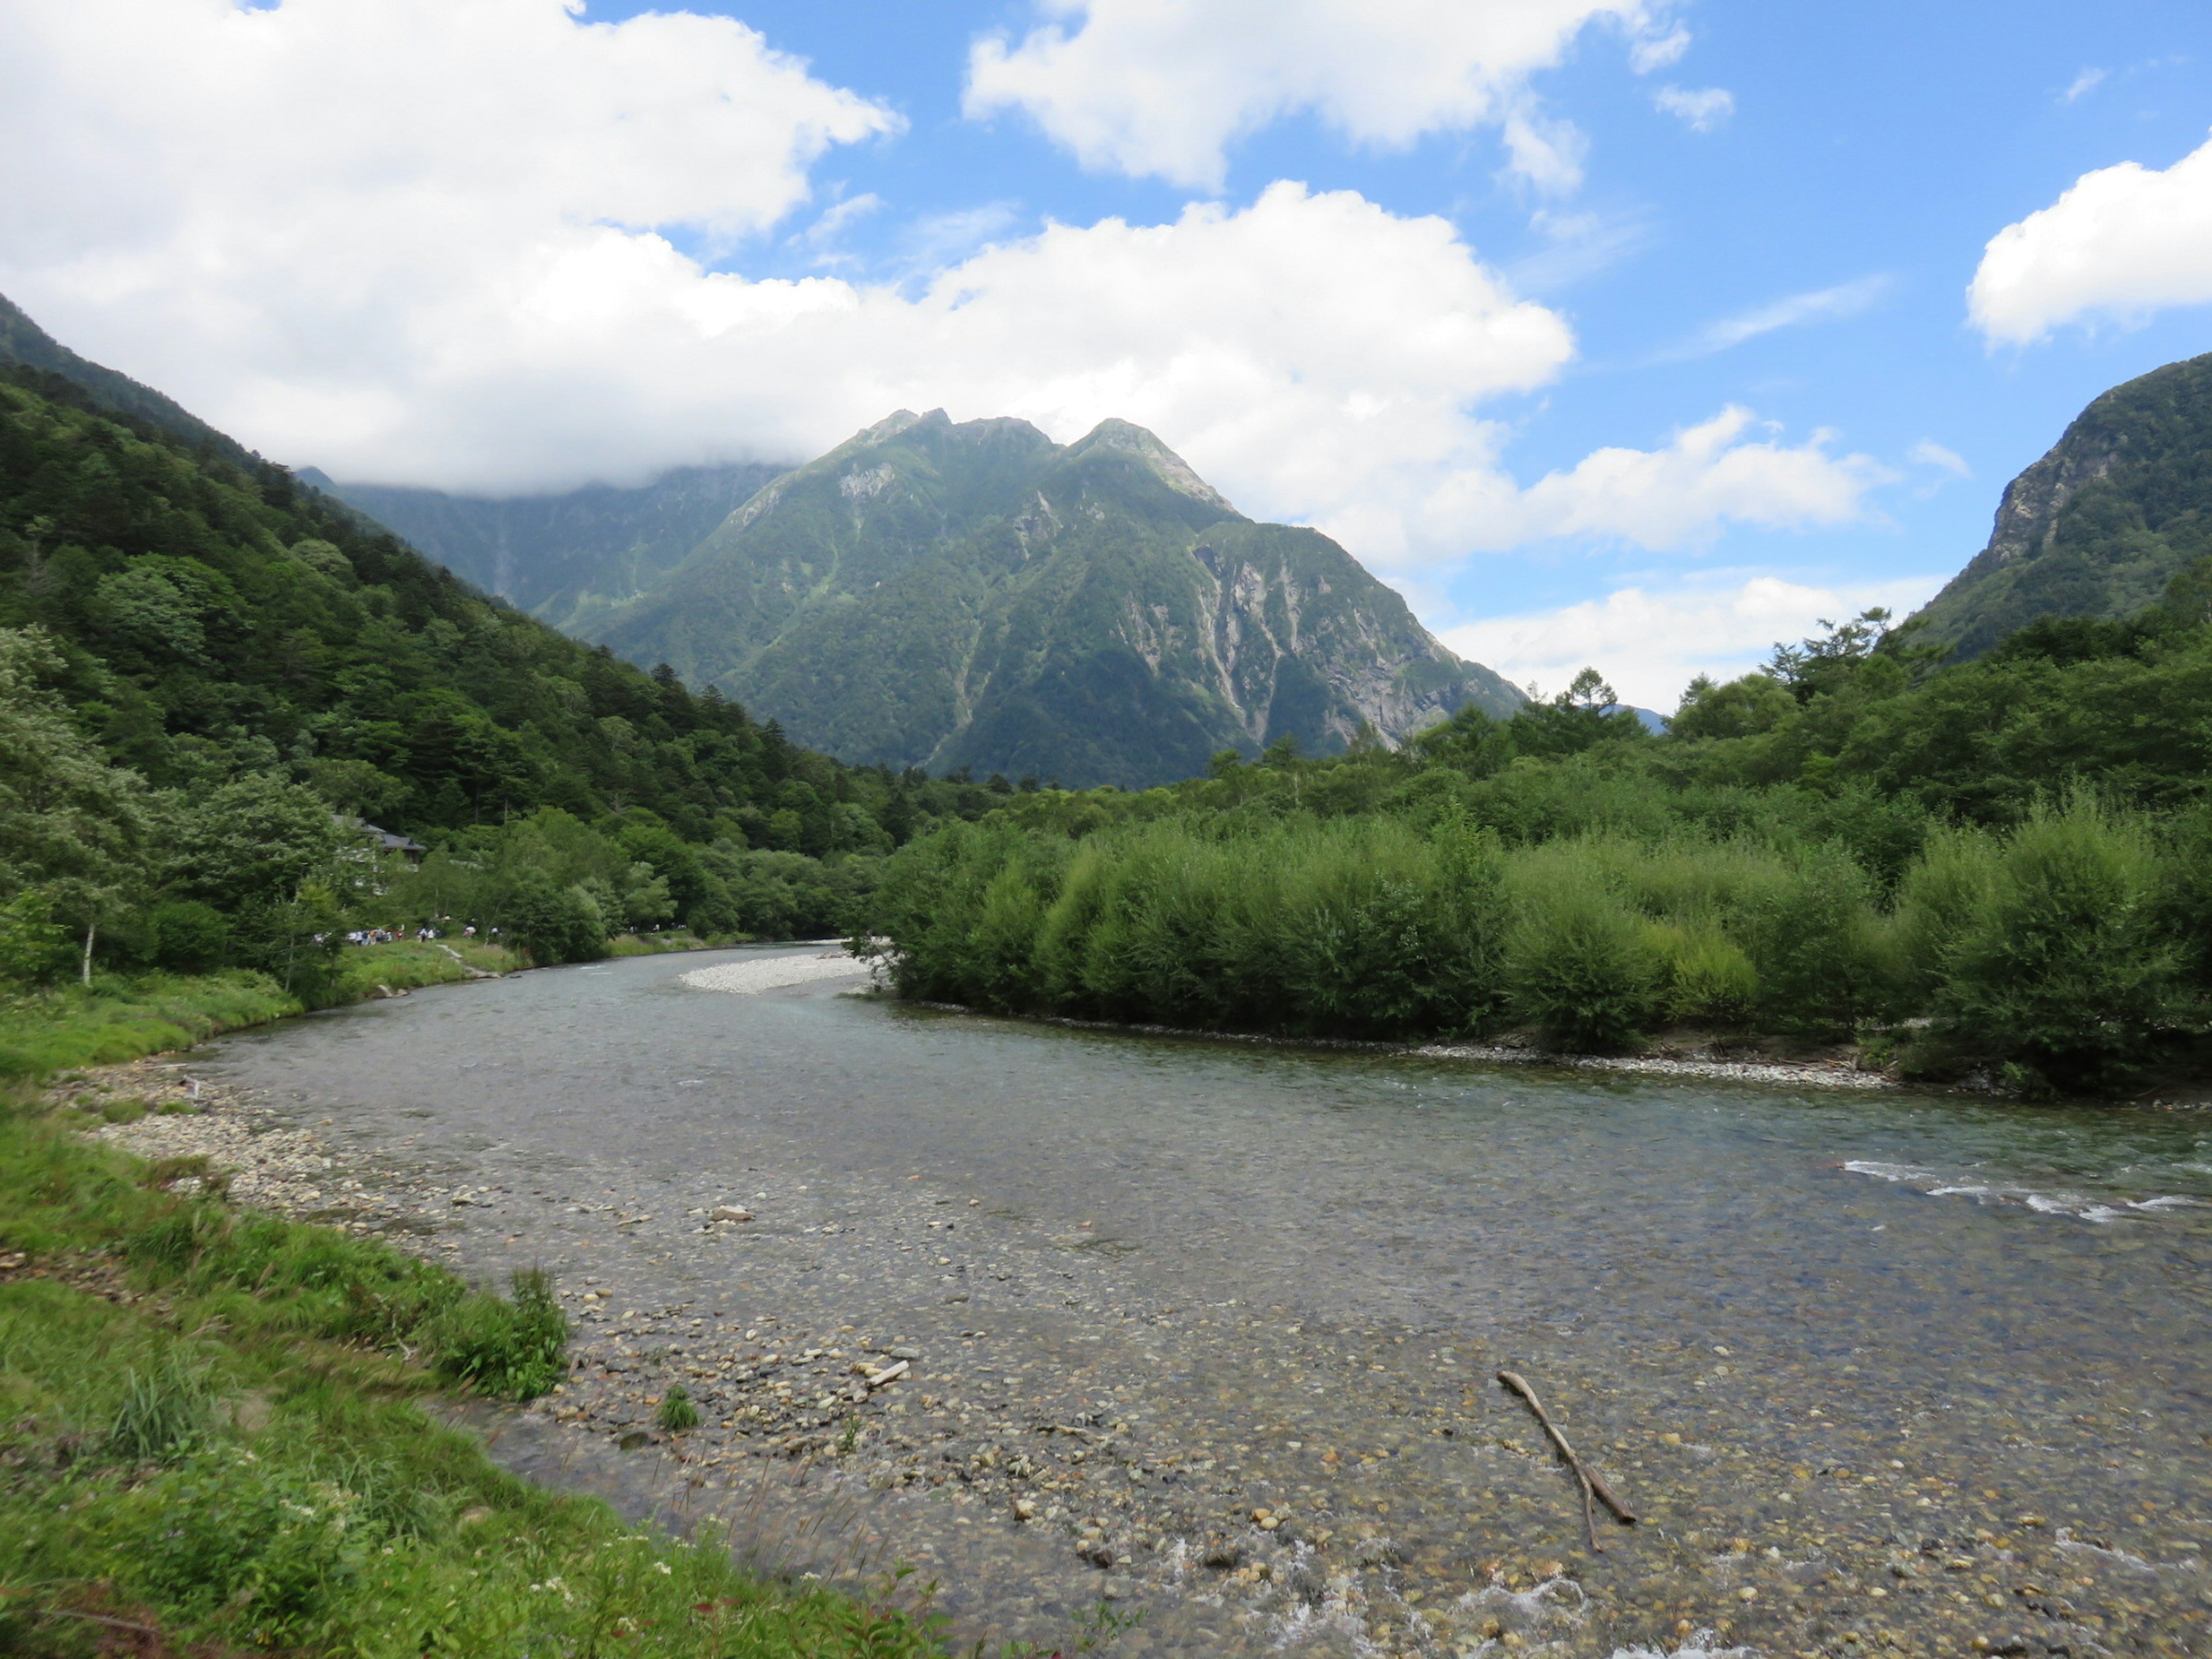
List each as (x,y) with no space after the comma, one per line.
(566,559)
(940,595)
(2098,526)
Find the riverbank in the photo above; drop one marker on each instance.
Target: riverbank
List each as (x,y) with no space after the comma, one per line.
(121,1018)
(223,1421)
(1209,1332)
(1696,1059)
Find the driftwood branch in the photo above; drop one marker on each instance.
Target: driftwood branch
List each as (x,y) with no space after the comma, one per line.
(1592,1481)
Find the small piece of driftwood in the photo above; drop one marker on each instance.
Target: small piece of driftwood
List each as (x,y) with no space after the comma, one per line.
(1592,1481)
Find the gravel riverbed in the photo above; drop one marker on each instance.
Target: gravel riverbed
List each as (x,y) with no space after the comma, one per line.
(1032,1393)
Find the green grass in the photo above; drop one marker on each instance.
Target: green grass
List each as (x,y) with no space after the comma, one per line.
(410,965)
(232,1451)
(116,1020)
(654,945)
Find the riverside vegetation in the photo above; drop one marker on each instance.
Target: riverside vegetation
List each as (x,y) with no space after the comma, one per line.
(212,1432)
(1998,865)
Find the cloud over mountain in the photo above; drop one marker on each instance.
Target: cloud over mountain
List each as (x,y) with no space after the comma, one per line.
(485,245)
(2121,242)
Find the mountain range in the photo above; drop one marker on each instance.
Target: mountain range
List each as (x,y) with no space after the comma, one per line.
(973,595)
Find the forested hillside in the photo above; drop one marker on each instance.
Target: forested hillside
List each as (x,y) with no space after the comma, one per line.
(2099,527)
(207,670)
(2001,868)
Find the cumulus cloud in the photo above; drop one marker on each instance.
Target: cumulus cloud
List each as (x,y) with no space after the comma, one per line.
(1651,643)
(2122,242)
(434,242)
(1681,495)
(1702,109)
(1163,87)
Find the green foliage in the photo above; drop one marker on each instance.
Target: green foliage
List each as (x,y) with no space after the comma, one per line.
(676,1413)
(33,947)
(2061,967)
(1585,970)
(115,1020)
(554,924)
(167,1409)
(512,1347)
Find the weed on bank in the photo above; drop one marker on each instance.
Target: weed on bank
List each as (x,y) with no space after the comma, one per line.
(212,1439)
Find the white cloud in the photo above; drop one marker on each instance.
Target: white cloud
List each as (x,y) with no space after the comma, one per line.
(1652,643)
(2122,242)
(448,273)
(822,235)
(2083,84)
(1658,51)
(1702,108)
(1164,87)
(1928,453)
(1681,496)
(1826,305)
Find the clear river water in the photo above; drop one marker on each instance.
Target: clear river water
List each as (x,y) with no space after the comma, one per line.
(1201,1338)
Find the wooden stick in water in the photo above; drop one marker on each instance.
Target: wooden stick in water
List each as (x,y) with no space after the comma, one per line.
(1590,1479)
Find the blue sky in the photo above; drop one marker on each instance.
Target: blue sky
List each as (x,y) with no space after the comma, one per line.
(1657,214)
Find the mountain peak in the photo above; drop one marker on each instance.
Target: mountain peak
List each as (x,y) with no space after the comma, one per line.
(1126,438)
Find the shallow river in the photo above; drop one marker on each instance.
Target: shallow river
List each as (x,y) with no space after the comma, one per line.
(1205,1334)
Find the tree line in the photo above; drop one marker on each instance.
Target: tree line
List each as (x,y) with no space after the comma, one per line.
(2001,866)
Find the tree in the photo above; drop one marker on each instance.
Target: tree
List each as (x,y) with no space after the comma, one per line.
(72,828)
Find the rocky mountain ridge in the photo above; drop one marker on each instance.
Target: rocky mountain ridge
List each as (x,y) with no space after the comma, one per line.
(973,594)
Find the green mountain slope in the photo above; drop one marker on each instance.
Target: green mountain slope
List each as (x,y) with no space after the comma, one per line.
(25,346)
(566,559)
(2097,527)
(215,619)
(976,595)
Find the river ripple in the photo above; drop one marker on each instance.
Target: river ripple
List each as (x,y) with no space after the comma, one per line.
(1876,1372)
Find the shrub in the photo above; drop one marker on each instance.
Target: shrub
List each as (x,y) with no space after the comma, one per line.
(33,947)
(507,1347)
(2063,971)
(1823,958)
(1943,898)
(676,1413)
(1709,978)
(187,936)
(554,924)
(1582,967)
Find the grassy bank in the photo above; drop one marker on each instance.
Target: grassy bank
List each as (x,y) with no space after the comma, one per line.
(211,1433)
(124,1017)
(117,1019)
(2066,951)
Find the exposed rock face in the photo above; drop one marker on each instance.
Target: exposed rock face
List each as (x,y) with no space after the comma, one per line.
(943,595)
(2099,525)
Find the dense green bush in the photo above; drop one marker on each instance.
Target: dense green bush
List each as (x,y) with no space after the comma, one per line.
(1586,971)
(2056,947)
(2063,969)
